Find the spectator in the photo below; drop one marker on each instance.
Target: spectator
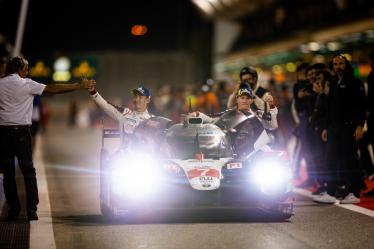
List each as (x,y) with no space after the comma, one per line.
(304,102)
(369,181)
(318,122)
(2,66)
(295,111)
(345,122)
(16,97)
(207,100)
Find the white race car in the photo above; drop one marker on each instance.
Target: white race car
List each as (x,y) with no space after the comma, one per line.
(195,165)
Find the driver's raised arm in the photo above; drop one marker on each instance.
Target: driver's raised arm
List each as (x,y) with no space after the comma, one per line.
(231,101)
(272,123)
(105,106)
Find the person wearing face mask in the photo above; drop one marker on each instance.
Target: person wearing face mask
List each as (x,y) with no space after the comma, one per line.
(343,130)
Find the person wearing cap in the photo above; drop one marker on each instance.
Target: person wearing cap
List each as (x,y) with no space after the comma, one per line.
(248,79)
(130,118)
(16,106)
(244,99)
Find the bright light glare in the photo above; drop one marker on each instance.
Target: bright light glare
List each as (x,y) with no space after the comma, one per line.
(139,30)
(333,46)
(205,6)
(62,64)
(270,174)
(136,176)
(314,46)
(291,67)
(61,76)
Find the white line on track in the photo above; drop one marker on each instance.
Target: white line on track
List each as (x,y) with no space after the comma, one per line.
(41,231)
(351,207)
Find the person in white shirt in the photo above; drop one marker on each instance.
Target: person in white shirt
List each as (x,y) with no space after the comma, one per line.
(130,118)
(16,105)
(244,99)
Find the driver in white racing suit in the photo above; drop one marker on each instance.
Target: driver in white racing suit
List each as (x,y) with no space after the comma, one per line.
(244,99)
(130,118)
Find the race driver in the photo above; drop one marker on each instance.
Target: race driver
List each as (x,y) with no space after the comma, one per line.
(244,99)
(141,97)
(263,100)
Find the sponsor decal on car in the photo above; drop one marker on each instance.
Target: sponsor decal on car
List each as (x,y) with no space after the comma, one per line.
(234,166)
(204,179)
(203,172)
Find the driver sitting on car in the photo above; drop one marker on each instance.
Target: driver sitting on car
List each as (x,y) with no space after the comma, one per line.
(244,100)
(130,118)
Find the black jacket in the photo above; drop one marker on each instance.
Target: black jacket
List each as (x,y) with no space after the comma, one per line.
(346,101)
(319,115)
(370,100)
(304,106)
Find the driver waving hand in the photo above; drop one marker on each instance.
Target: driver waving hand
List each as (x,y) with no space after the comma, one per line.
(141,97)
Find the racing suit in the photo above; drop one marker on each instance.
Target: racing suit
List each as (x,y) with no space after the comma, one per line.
(130,119)
(260,106)
(241,138)
(271,124)
(259,102)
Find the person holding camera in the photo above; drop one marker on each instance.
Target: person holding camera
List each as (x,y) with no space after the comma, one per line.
(305,99)
(318,119)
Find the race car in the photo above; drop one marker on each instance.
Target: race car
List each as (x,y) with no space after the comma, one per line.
(193,164)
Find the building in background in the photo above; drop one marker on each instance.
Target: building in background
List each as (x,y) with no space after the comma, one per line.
(276,35)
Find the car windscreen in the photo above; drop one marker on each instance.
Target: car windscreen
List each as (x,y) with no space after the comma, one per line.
(185,147)
(245,135)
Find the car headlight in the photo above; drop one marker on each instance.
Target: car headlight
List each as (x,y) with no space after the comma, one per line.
(134,176)
(271,175)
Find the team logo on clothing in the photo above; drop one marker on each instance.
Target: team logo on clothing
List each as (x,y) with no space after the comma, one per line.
(141,90)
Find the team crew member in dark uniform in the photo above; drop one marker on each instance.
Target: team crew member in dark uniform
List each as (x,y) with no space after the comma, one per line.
(345,122)
(370,108)
(318,123)
(16,103)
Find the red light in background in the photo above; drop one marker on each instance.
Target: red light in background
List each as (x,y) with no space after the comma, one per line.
(138,30)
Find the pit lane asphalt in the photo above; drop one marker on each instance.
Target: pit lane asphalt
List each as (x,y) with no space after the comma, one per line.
(72,162)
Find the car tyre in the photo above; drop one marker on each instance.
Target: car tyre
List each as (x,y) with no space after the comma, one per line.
(107,213)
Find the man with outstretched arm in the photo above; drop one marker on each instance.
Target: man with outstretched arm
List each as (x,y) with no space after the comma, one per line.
(16,103)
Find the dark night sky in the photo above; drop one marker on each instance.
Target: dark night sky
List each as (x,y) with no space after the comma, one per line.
(100,25)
